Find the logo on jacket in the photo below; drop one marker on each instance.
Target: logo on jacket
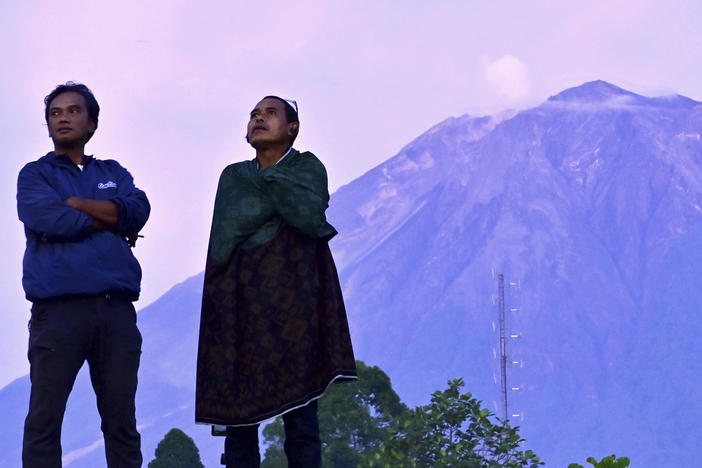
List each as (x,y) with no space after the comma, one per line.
(107,185)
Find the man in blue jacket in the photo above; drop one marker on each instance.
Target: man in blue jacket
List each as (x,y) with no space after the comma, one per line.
(81,217)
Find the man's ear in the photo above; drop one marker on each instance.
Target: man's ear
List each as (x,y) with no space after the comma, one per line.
(293,128)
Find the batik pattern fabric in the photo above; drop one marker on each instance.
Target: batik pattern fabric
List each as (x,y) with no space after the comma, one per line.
(273,328)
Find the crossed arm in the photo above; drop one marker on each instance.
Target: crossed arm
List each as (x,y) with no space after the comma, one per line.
(105,213)
(302,198)
(54,216)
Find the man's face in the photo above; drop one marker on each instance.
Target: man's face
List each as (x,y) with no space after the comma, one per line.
(268,125)
(69,122)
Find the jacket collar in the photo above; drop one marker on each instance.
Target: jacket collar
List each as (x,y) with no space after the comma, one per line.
(63,160)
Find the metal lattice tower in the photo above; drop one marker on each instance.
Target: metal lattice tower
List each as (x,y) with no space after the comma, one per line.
(503,343)
(505,362)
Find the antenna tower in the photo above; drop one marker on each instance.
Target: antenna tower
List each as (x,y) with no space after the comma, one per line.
(503,343)
(506,335)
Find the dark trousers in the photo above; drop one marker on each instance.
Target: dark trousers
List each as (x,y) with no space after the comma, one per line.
(64,333)
(302,445)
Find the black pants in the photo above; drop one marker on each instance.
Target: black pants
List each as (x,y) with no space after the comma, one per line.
(64,333)
(302,445)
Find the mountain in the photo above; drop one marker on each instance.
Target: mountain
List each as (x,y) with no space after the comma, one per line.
(590,204)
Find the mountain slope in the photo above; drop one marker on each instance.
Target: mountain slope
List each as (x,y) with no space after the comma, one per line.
(592,202)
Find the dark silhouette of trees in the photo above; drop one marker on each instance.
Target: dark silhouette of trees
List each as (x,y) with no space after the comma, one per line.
(176,450)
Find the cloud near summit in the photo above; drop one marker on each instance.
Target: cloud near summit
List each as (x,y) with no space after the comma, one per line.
(507,77)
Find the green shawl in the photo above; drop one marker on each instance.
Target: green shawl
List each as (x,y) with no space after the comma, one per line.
(252,204)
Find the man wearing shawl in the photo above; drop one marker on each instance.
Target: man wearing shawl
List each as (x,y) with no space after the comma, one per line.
(273,330)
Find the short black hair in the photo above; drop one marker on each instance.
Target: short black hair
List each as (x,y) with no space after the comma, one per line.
(290,112)
(71,86)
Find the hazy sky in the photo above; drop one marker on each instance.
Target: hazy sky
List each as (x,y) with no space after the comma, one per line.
(175,80)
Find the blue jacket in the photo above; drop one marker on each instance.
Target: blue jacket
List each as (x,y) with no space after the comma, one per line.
(65,255)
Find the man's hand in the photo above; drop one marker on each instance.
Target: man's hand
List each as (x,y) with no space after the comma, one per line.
(132,238)
(104,212)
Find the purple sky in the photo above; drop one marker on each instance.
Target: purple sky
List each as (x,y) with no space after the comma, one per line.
(176,79)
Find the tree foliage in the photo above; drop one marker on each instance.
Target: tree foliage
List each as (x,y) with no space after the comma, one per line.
(364,424)
(176,450)
(607,462)
(353,420)
(452,431)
